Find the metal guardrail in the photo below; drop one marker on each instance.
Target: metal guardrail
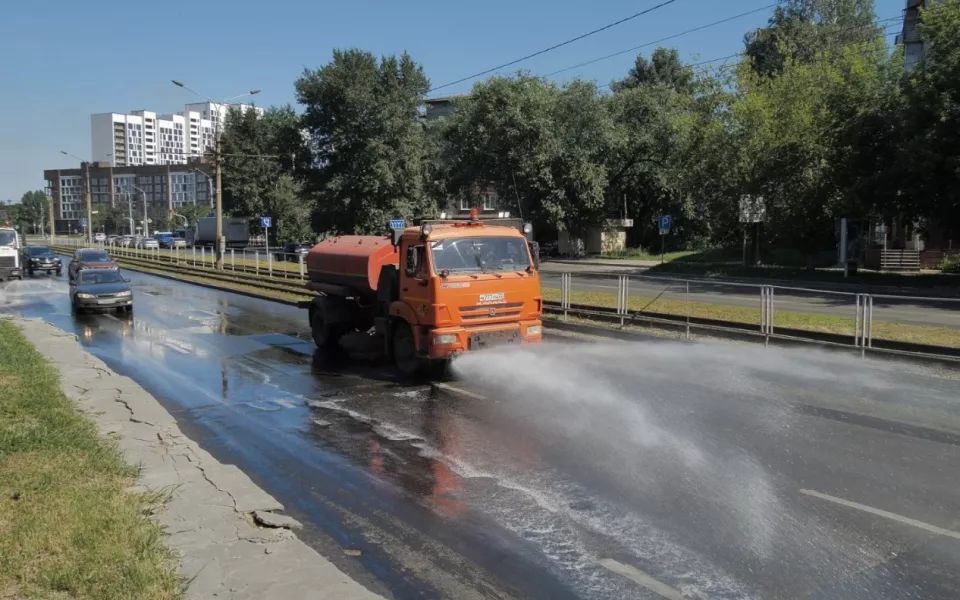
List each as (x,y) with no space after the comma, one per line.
(838,318)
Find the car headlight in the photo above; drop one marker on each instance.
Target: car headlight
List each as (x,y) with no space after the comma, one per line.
(84,296)
(535,330)
(445,339)
(124,294)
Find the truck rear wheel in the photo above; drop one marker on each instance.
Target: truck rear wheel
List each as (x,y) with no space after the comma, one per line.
(326,335)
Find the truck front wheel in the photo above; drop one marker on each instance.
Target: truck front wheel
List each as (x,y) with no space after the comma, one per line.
(405,350)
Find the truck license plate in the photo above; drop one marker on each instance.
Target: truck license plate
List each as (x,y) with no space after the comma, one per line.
(488,339)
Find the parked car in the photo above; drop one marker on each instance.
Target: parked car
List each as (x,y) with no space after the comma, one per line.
(126,241)
(100,289)
(40,259)
(112,240)
(100,237)
(148,244)
(90,258)
(293,251)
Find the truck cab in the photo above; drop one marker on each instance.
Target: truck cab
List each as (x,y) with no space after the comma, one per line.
(10,267)
(467,285)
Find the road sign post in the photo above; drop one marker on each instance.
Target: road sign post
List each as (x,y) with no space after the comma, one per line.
(665,222)
(266,222)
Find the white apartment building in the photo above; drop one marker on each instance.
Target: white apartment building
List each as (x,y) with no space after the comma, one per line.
(143,138)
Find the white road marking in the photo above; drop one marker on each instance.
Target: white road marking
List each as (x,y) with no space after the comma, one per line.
(884,514)
(456,390)
(283,402)
(638,576)
(114,317)
(176,347)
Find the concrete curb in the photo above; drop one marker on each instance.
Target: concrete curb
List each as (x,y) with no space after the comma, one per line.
(208,518)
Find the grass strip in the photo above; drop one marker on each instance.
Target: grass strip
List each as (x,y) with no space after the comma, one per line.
(916,334)
(68,527)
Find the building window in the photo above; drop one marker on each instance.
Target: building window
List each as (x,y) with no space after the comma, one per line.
(490,202)
(464,204)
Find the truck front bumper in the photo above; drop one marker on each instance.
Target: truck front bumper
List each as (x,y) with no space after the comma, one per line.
(447,342)
(10,273)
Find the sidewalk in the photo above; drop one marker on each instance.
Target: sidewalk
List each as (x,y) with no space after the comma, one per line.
(230,535)
(639,267)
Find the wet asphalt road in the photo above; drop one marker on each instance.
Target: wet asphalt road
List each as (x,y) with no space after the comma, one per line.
(571,471)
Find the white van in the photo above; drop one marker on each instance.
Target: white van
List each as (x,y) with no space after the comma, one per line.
(9,254)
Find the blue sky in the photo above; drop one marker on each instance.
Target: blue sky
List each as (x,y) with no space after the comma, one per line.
(64,60)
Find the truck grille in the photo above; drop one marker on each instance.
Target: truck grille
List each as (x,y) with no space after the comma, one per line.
(482,312)
(8,261)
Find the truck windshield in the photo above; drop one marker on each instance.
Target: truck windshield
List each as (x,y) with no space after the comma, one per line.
(480,254)
(8,237)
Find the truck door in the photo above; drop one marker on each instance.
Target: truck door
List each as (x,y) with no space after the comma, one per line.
(414,279)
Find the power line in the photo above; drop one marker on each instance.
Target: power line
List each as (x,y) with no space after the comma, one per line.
(554,47)
(702,27)
(661,40)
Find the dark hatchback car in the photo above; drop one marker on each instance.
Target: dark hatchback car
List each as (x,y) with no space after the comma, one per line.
(100,289)
(293,251)
(40,259)
(90,258)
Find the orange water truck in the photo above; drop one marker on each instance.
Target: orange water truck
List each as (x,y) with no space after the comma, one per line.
(431,291)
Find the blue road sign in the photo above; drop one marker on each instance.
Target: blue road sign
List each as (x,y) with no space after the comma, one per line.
(665,222)
(266,222)
(83,221)
(398,224)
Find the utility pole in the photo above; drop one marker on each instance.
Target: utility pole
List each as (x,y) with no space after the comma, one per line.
(218,164)
(87,200)
(85,166)
(50,201)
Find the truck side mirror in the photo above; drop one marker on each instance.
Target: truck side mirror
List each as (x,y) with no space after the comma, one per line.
(395,235)
(535,254)
(411,265)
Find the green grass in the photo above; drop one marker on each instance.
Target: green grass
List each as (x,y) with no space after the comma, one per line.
(68,528)
(737,315)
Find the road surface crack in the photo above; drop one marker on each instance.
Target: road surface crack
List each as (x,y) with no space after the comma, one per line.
(132,418)
(203,472)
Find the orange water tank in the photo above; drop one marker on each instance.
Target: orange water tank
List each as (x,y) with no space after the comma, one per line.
(353,261)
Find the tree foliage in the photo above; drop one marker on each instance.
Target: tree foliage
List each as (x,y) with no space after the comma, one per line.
(369,150)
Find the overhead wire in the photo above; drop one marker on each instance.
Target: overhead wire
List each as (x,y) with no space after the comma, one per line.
(555,46)
(668,38)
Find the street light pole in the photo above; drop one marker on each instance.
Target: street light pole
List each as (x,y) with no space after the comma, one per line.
(217,165)
(86,195)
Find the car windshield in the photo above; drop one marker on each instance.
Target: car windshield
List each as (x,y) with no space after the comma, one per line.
(94,257)
(38,250)
(480,254)
(100,276)
(7,237)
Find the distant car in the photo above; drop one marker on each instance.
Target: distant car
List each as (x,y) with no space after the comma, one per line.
(148,244)
(100,289)
(90,258)
(100,237)
(40,259)
(294,251)
(112,240)
(126,241)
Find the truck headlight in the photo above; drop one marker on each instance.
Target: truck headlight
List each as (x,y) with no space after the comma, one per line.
(445,339)
(535,330)
(84,296)
(123,294)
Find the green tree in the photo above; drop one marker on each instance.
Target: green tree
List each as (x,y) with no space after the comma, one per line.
(34,209)
(535,142)
(261,153)
(931,123)
(664,67)
(800,29)
(370,153)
